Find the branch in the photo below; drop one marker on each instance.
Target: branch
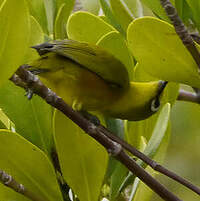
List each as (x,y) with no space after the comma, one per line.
(96,132)
(8,181)
(153,164)
(181,30)
(189,96)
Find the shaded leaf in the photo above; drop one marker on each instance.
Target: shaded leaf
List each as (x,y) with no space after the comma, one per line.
(36,37)
(14,34)
(96,27)
(106,7)
(18,157)
(195,7)
(135,7)
(50,8)
(32,118)
(61,20)
(83,161)
(91,6)
(156,7)
(158,133)
(162,53)
(114,43)
(37,10)
(122,13)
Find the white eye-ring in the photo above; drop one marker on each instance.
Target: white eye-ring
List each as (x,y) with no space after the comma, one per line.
(155,105)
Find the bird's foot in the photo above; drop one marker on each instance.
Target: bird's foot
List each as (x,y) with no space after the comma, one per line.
(92,118)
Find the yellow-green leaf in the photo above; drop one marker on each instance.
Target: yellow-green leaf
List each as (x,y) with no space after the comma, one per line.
(37,10)
(29,166)
(14,34)
(160,52)
(36,37)
(122,13)
(83,161)
(96,27)
(114,43)
(61,20)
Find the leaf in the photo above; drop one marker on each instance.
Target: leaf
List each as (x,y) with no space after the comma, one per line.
(162,53)
(37,10)
(50,8)
(14,34)
(183,10)
(1,1)
(116,181)
(114,43)
(116,172)
(96,27)
(106,7)
(155,130)
(83,161)
(135,7)
(195,7)
(91,6)
(144,193)
(61,20)
(17,158)
(4,120)
(156,7)
(36,38)
(32,118)
(125,17)
(158,133)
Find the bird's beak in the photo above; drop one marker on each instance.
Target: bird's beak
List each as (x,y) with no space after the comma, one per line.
(161,87)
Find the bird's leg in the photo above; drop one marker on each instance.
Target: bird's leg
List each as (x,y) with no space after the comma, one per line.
(92,118)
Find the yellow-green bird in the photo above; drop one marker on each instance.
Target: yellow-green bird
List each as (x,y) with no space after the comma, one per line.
(89,78)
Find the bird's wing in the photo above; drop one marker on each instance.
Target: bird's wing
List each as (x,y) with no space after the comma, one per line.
(92,57)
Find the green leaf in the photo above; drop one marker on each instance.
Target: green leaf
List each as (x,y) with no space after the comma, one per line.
(50,8)
(144,193)
(161,52)
(156,7)
(36,38)
(96,27)
(116,180)
(122,13)
(106,7)
(114,43)
(158,133)
(183,10)
(4,121)
(135,7)
(195,7)
(83,161)
(1,1)
(32,118)
(14,34)
(29,166)
(116,172)
(61,20)
(91,6)
(155,130)
(37,10)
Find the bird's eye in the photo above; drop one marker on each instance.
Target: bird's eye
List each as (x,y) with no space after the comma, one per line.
(155,104)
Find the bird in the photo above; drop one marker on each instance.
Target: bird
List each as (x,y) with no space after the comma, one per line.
(91,79)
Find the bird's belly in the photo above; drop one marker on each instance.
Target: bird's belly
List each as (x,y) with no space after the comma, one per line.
(82,89)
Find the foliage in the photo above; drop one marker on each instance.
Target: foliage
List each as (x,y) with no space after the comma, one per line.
(32,134)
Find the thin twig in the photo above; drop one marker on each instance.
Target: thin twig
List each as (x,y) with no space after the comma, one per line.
(153,164)
(188,96)
(94,131)
(181,30)
(8,181)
